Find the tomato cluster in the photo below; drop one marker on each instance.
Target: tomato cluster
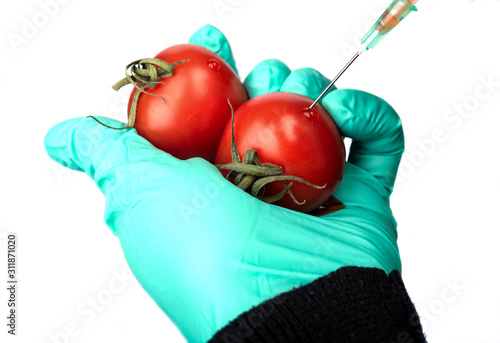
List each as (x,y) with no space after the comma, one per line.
(203,110)
(306,144)
(190,111)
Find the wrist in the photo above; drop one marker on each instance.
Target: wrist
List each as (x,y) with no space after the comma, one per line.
(351,304)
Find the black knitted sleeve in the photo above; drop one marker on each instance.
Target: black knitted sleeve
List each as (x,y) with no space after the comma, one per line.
(351,304)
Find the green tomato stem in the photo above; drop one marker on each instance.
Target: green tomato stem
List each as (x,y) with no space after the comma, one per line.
(254,175)
(142,74)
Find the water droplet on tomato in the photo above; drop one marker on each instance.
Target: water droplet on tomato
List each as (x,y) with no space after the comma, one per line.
(311,114)
(213,64)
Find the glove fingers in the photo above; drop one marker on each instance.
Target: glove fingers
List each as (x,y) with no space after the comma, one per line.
(85,145)
(306,81)
(214,40)
(266,77)
(273,76)
(376,130)
(136,176)
(374,199)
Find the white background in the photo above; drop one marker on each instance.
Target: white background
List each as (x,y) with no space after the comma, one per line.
(60,61)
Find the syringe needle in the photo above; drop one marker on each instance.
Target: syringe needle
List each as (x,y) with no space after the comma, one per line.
(392,16)
(336,78)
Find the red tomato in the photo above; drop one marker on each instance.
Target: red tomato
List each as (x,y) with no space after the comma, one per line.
(306,144)
(191,120)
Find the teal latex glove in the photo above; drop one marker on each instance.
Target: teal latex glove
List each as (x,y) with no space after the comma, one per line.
(205,250)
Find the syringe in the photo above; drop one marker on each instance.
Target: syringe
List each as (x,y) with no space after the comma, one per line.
(392,16)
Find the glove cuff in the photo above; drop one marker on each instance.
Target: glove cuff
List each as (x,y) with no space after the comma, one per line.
(351,304)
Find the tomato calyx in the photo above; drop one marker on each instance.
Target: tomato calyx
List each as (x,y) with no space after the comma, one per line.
(142,74)
(250,173)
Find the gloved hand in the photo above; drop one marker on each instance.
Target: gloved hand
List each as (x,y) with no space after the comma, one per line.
(207,251)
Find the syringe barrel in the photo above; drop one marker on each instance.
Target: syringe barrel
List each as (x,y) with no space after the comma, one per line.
(391,17)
